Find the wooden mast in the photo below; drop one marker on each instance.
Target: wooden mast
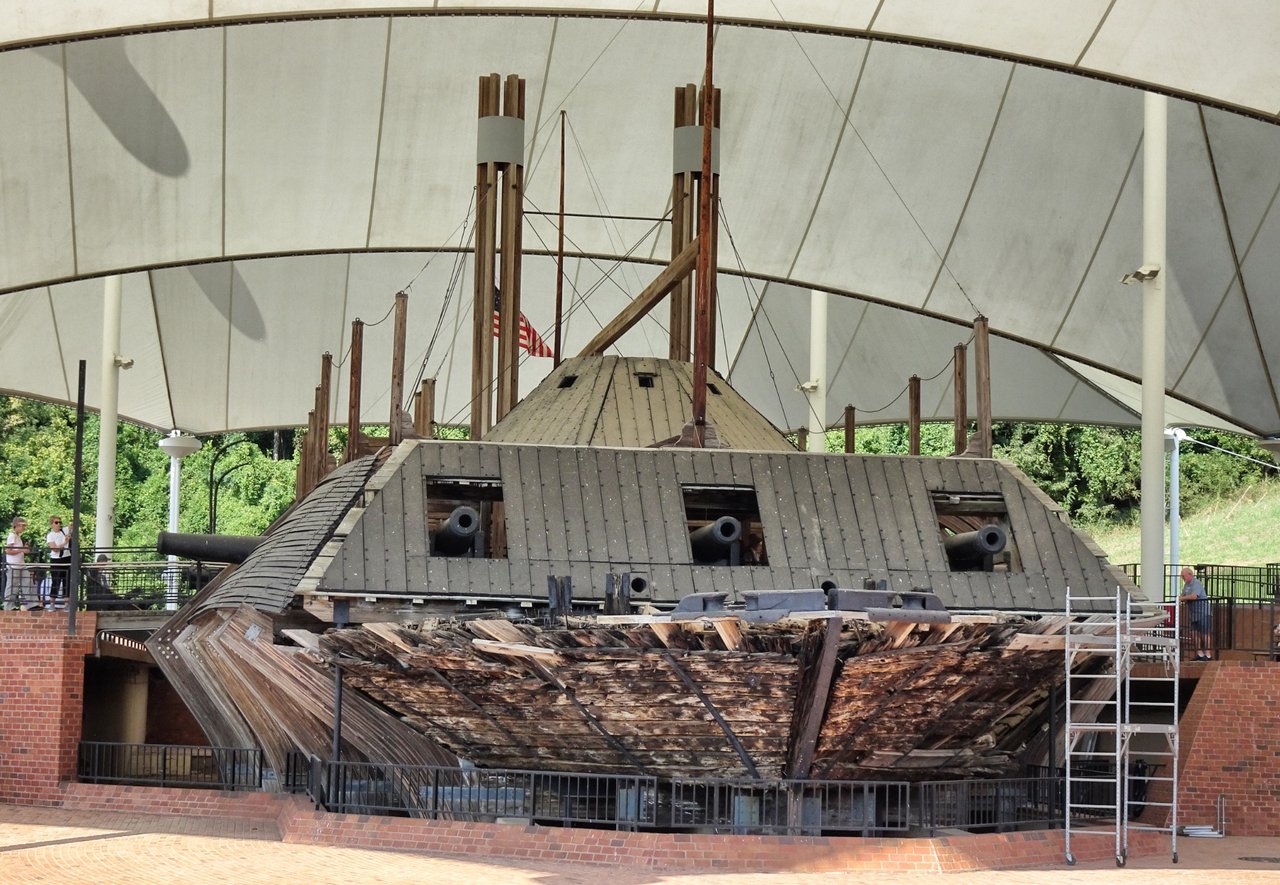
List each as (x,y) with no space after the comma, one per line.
(353,390)
(499,149)
(482,319)
(682,227)
(980,445)
(511,249)
(702,304)
(395,433)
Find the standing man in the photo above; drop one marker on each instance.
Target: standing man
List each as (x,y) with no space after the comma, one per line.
(1198,616)
(15,557)
(59,546)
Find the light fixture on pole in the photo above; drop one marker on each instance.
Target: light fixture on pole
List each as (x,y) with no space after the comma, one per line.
(177,446)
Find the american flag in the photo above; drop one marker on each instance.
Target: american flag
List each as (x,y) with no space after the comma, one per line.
(530,340)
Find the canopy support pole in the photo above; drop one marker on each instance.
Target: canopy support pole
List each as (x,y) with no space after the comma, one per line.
(1154,184)
(105,525)
(816,389)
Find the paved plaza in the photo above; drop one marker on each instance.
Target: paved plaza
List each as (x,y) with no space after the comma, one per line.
(60,847)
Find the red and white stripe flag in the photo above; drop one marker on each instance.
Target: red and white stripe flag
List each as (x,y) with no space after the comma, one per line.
(529,338)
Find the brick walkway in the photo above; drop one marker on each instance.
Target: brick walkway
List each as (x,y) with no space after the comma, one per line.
(62,847)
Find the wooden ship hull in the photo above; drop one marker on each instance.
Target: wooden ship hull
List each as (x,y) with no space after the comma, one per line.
(579,628)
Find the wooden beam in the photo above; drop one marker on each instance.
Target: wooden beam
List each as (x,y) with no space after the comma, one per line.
(353,390)
(961,380)
(424,410)
(683,203)
(913,415)
(681,266)
(850,421)
(322,413)
(485,252)
(508,381)
(818,652)
(982,380)
(396,431)
(747,763)
(518,649)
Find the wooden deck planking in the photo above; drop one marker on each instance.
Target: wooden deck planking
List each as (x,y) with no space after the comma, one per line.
(665,495)
(1031,532)
(417,542)
(772,509)
(915,471)
(611,507)
(554,513)
(571,492)
(863,508)
(890,533)
(391,502)
(537,527)
(904,516)
(808,521)
(635,525)
(592,504)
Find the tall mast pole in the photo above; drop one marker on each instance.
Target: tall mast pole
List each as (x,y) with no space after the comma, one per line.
(703,295)
(560,249)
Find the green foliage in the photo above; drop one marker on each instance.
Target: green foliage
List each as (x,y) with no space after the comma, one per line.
(37,461)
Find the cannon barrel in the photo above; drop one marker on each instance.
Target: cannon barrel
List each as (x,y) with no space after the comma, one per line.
(207,548)
(457,534)
(712,543)
(972,551)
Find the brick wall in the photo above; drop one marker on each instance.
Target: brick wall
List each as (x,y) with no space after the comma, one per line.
(1230,745)
(298,822)
(169,800)
(41,703)
(695,851)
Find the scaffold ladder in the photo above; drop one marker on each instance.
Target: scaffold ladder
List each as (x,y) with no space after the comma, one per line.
(1132,696)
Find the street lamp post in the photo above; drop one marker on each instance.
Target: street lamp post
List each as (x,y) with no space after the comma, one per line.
(177,446)
(214,483)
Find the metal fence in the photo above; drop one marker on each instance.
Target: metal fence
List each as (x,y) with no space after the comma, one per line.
(167,765)
(794,807)
(1244,606)
(122,579)
(488,794)
(626,802)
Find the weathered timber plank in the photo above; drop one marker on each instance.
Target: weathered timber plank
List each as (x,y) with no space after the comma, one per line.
(817,667)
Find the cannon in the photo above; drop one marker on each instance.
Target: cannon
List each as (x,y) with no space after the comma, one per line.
(456,536)
(207,548)
(973,551)
(716,542)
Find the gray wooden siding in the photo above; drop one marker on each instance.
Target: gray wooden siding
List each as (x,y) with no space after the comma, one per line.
(589,512)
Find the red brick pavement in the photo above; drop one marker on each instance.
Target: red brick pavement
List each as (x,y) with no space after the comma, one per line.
(56,845)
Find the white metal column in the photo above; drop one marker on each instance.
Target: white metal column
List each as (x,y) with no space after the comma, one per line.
(105,523)
(816,388)
(1152,274)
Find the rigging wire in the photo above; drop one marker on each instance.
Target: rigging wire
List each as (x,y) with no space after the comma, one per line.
(845,115)
(757,312)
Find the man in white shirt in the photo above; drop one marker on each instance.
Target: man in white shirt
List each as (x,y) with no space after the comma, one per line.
(58,543)
(15,557)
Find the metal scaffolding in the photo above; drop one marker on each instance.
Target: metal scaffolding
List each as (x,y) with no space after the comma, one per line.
(1132,697)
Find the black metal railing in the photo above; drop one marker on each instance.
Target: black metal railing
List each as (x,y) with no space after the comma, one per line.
(793,807)
(488,794)
(1244,606)
(168,765)
(631,802)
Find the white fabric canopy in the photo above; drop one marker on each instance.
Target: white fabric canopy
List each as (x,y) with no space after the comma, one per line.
(262,183)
